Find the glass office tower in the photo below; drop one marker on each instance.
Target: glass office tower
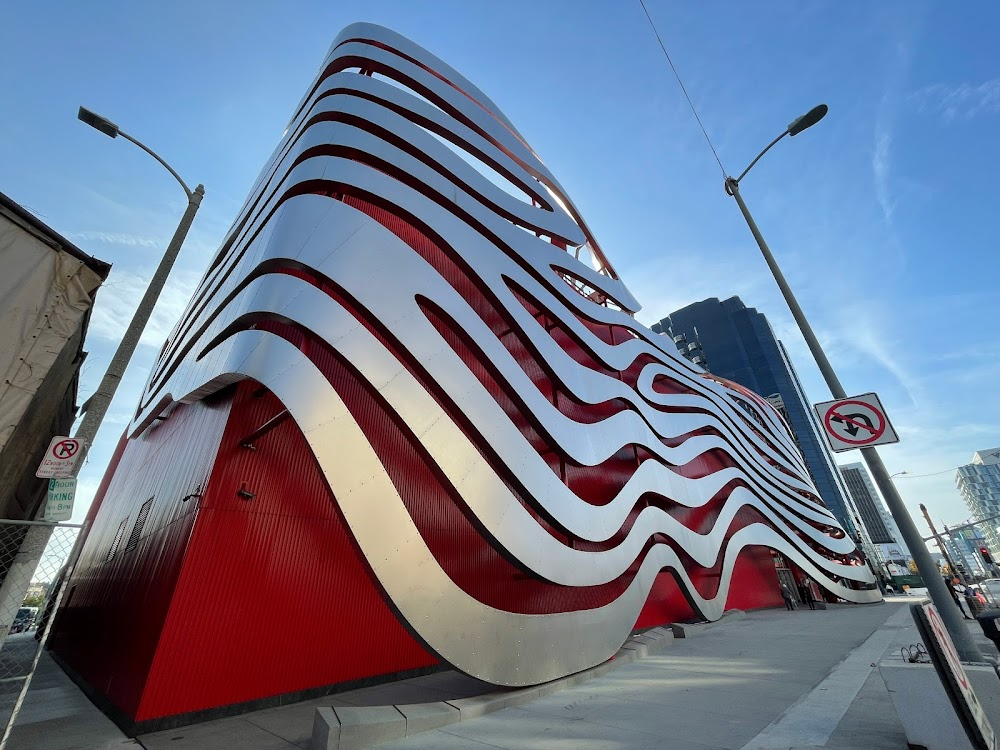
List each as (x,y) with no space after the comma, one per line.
(868,502)
(979,483)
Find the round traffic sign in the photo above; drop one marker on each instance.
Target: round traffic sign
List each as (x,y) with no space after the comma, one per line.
(66,448)
(855,422)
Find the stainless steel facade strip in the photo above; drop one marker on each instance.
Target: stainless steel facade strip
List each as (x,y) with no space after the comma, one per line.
(482,488)
(410,269)
(497,646)
(295,219)
(451,227)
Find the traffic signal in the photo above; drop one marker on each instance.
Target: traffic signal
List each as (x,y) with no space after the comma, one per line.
(986,555)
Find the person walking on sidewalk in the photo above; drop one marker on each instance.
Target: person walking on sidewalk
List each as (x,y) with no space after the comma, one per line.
(786,594)
(807,595)
(954,595)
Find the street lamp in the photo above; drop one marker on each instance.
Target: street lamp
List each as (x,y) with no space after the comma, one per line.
(950,614)
(97,405)
(898,474)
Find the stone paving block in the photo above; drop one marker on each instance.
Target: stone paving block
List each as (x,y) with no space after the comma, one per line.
(326,730)
(686,630)
(625,656)
(422,717)
(524,695)
(556,685)
(681,630)
(479,705)
(364,726)
(640,649)
(221,733)
(601,669)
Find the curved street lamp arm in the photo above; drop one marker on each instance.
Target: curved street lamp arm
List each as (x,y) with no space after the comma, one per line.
(170,169)
(757,159)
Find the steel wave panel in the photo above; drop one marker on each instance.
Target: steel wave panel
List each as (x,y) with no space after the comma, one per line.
(305,251)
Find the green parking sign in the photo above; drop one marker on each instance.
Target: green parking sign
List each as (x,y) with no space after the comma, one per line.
(59,505)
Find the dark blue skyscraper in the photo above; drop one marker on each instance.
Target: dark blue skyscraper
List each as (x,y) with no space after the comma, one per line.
(737,343)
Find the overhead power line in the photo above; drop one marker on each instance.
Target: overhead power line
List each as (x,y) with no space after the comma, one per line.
(694,111)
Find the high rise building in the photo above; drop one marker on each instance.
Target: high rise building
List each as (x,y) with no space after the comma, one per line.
(964,545)
(870,508)
(979,483)
(736,342)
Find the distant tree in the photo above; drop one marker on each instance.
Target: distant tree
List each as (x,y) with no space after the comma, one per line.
(35,600)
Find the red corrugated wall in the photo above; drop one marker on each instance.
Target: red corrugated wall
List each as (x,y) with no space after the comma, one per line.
(109,628)
(273,598)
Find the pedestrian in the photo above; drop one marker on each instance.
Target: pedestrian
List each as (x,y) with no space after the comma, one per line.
(954,595)
(972,601)
(889,590)
(786,594)
(807,594)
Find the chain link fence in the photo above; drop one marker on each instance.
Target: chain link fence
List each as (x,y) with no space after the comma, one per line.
(33,556)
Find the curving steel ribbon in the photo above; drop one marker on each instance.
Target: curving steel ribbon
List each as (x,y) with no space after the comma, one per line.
(392,128)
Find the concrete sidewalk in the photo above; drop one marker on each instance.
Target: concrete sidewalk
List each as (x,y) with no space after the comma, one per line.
(57,716)
(774,679)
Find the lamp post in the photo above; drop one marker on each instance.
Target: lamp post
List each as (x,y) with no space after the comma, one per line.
(97,405)
(950,614)
(100,401)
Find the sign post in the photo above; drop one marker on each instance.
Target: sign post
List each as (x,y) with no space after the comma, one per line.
(62,458)
(858,422)
(956,683)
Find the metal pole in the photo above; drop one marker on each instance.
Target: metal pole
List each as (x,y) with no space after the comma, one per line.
(961,526)
(100,401)
(950,614)
(941,546)
(98,404)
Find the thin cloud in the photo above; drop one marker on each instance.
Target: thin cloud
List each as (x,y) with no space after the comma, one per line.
(881,159)
(961,101)
(117,238)
(119,296)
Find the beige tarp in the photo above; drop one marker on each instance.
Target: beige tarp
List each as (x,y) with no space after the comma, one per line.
(44,294)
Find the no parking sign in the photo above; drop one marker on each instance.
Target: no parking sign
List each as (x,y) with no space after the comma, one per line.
(62,458)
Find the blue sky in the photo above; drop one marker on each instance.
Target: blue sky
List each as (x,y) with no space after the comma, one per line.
(883,216)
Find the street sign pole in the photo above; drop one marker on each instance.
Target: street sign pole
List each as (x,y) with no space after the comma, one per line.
(955,571)
(946,606)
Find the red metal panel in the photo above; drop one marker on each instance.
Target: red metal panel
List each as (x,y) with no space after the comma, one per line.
(109,628)
(273,597)
(755,581)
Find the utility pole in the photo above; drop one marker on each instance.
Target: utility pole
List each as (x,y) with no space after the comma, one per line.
(951,615)
(955,570)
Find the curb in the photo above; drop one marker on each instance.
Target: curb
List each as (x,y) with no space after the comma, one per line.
(689,631)
(358,728)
